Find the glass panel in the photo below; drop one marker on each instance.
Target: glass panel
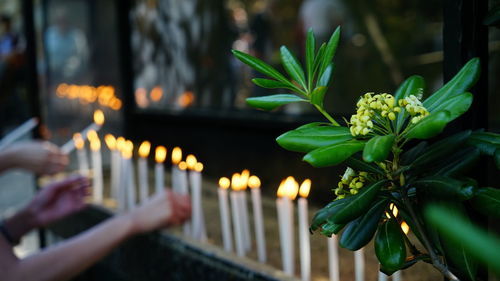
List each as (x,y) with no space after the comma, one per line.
(182,60)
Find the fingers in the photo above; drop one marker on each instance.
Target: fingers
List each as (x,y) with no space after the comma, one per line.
(180,208)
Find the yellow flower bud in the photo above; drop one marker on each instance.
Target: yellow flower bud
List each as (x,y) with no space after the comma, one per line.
(392,116)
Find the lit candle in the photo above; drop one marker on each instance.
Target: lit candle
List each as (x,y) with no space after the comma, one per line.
(381,276)
(121,183)
(359,265)
(245,221)
(97,181)
(95,126)
(115,164)
(176,159)
(254,184)
(142,164)
(235,201)
(18,132)
(195,184)
(333,258)
(127,153)
(160,155)
(198,168)
(183,189)
(224,184)
(305,243)
(286,193)
(81,154)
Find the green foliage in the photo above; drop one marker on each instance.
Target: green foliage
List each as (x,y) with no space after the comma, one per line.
(393,162)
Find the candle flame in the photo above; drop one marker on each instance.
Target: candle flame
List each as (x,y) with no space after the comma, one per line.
(92,134)
(95,144)
(79,142)
(99,117)
(191,161)
(176,155)
(182,166)
(110,141)
(305,187)
(224,183)
(127,149)
(244,176)
(198,167)
(281,190)
(144,149)
(288,188)
(405,227)
(236,182)
(160,154)
(394,209)
(254,182)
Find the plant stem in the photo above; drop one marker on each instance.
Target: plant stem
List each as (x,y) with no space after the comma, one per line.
(327,116)
(436,262)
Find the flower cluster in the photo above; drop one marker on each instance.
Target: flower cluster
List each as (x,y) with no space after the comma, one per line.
(350,183)
(414,107)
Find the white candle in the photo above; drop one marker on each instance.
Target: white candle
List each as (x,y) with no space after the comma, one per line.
(197,220)
(129,174)
(224,184)
(97,180)
(160,155)
(111,142)
(18,132)
(287,191)
(95,126)
(121,179)
(305,243)
(183,189)
(396,276)
(176,159)
(245,221)
(240,247)
(81,154)
(333,258)
(142,164)
(254,184)
(359,265)
(382,276)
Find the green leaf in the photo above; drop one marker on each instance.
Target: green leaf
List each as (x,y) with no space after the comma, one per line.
(378,148)
(462,82)
(323,214)
(318,95)
(310,49)
(390,245)
(358,164)
(413,85)
(328,229)
(456,105)
(408,263)
(260,66)
(292,66)
(413,153)
(360,231)
(486,142)
(330,49)
(463,243)
(305,139)
(333,154)
(458,162)
(496,156)
(270,84)
(430,126)
(358,204)
(326,76)
(440,149)
(446,187)
(487,201)
(274,101)
(319,56)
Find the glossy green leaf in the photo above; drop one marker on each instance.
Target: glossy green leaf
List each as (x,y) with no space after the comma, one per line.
(430,126)
(325,78)
(292,66)
(260,66)
(440,149)
(410,261)
(330,49)
(409,156)
(328,229)
(378,148)
(456,105)
(390,245)
(319,56)
(487,142)
(272,102)
(463,242)
(270,84)
(360,231)
(358,164)
(458,162)
(310,49)
(446,187)
(326,212)
(459,84)
(305,139)
(333,154)
(487,201)
(318,95)
(358,204)
(413,85)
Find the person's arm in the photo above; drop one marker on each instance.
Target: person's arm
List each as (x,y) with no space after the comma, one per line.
(71,257)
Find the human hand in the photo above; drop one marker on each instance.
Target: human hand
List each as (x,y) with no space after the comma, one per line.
(58,200)
(40,157)
(164,209)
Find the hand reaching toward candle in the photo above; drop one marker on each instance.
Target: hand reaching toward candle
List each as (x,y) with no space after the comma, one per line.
(40,157)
